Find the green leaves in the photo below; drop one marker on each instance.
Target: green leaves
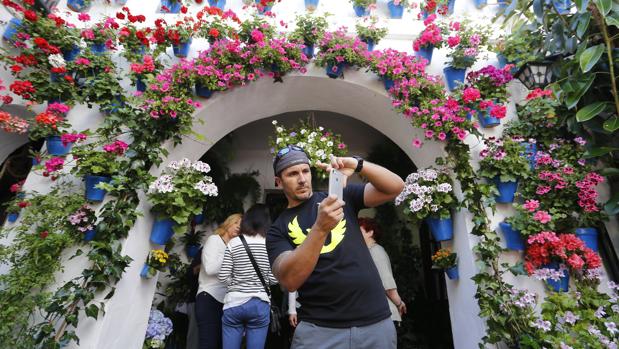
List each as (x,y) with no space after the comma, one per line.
(591,56)
(604,6)
(612,124)
(595,152)
(613,19)
(590,111)
(576,88)
(583,24)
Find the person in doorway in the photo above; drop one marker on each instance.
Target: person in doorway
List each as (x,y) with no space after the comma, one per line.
(211,292)
(316,248)
(247,303)
(372,234)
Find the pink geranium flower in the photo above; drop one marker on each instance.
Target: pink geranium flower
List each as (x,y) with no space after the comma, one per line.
(542,217)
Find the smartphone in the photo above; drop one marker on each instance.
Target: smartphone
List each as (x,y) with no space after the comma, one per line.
(337,182)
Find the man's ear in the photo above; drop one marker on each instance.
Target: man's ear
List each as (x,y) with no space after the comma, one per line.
(278,182)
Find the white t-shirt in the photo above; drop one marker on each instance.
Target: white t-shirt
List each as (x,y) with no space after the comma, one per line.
(212,258)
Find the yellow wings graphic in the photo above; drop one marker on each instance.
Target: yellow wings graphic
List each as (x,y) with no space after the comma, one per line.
(337,234)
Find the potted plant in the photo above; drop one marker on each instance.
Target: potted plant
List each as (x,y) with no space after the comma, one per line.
(192,242)
(430,7)
(317,142)
(551,256)
(79,5)
(134,41)
(49,125)
(464,44)
(278,56)
(83,221)
(521,46)
(101,36)
(180,35)
(256,29)
(362,7)
(98,166)
(431,37)
(171,6)
(396,8)
(220,4)
(180,192)
(501,160)
(159,327)
(311,5)
(309,31)
(157,260)
(492,86)
(446,260)
(141,73)
(371,34)
(12,29)
(265,6)
(428,195)
(337,50)
(13,208)
(216,25)
(392,65)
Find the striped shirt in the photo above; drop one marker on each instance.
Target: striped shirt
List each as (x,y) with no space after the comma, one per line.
(239,274)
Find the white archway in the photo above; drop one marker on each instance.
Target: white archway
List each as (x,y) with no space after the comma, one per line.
(361,96)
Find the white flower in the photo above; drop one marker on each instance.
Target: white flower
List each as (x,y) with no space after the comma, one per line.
(201,167)
(320,153)
(416,205)
(444,188)
(274,122)
(320,128)
(208,189)
(186,163)
(322,139)
(329,144)
(56,60)
(279,130)
(434,208)
(174,165)
(611,327)
(542,325)
(429,174)
(313,134)
(163,184)
(301,144)
(303,131)
(278,140)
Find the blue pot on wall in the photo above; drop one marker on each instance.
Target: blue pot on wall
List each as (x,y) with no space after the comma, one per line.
(507,190)
(182,49)
(98,49)
(395,11)
(217,3)
(192,250)
(480,3)
(199,219)
(147,272)
(308,50)
(361,11)
(264,9)
(92,193)
(55,146)
(140,85)
(513,238)
(12,28)
(530,151)
(335,71)
(486,120)
(311,5)
(453,77)
(425,52)
(162,231)
(589,236)
(502,4)
(12,217)
(370,44)
(452,273)
(441,228)
(450,7)
(564,282)
(89,234)
(388,83)
(70,54)
(202,91)
(78,5)
(173,6)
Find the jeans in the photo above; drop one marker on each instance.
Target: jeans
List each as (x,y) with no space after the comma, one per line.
(208,316)
(252,317)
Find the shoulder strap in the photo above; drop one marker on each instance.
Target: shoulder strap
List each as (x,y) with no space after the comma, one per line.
(253,262)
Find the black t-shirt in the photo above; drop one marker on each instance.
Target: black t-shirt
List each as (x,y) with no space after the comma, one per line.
(345,289)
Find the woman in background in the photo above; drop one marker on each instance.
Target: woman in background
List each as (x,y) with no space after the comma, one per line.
(211,292)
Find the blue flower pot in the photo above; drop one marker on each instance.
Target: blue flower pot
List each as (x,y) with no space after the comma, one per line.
(264,9)
(162,231)
(486,120)
(308,50)
(70,55)
(561,6)
(12,217)
(92,193)
(502,60)
(507,190)
(502,4)
(199,219)
(361,11)
(55,77)
(55,147)
(426,53)
(78,5)
(452,273)
(90,234)
(146,272)
(173,7)
(388,83)
(370,44)
(140,85)
(589,236)
(337,72)
(441,229)
(395,11)
(120,2)
(203,91)
(35,161)
(182,49)
(450,7)
(481,3)
(311,5)
(513,238)
(113,106)
(12,28)
(530,151)
(217,3)
(192,250)
(453,77)
(98,49)
(563,284)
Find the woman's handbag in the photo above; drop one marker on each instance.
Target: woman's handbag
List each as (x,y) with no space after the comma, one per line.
(275,325)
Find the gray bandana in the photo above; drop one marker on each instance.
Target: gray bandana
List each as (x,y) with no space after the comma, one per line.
(293,157)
